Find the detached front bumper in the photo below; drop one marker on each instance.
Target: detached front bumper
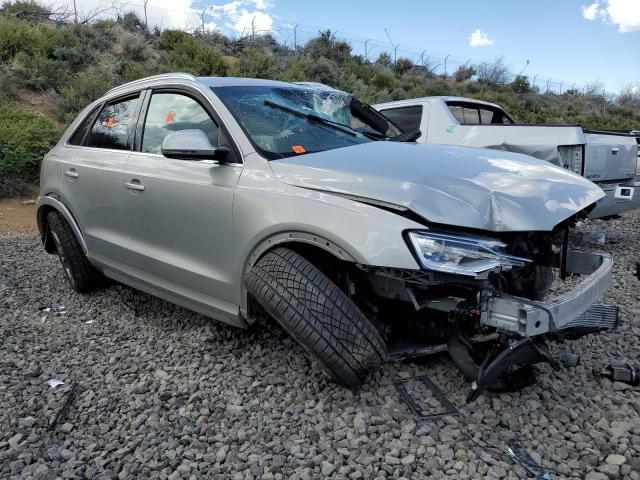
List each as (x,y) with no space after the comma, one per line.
(574,309)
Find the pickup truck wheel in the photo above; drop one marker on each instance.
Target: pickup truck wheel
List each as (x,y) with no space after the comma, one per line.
(317,314)
(80,273)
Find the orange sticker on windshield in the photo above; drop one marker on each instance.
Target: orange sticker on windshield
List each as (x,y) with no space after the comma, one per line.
(298,149)
(168,118)
(110,121)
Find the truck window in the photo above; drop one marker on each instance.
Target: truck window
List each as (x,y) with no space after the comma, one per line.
(474,114)
(471,116)
(407,118)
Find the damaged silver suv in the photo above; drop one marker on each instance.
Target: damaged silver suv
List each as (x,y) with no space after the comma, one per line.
(242,198)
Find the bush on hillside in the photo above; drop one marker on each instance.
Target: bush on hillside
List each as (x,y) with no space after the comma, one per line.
(24,139)
(184,53)
(464,73)
(82,90)
(256,62)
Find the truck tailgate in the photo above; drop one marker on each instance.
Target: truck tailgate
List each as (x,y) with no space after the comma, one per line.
(610,156)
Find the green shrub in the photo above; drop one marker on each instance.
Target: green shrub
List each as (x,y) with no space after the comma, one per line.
(323,71)
(24,139)
(41,73)
(294,71)
(255,62)
(521,84)
(132,71)
(185,53)
(384,80)
(84,88)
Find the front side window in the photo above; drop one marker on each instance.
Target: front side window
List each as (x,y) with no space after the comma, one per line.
(286,121)
(113,126)
(172,112)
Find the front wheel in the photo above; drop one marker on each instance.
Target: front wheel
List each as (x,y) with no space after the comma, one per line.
(317,314)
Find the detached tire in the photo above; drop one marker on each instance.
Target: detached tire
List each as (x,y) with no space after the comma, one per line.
(80,273)
(317,314)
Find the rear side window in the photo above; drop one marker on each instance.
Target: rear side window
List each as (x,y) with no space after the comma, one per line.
(172,112)
(407,118)
(113,126)
(78,137)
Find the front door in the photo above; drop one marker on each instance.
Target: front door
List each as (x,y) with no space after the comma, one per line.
(93,173)
(180,211)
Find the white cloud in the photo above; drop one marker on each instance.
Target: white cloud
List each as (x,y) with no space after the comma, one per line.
(623,13)
(245,16)
(480,39)
(247,22)
(590,12)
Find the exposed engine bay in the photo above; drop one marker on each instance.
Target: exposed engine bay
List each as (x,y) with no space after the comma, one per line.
(493,324)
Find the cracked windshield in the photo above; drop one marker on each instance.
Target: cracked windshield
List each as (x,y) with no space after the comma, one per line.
(284,122)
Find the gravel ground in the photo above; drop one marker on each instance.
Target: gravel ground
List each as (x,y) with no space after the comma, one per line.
(162,392)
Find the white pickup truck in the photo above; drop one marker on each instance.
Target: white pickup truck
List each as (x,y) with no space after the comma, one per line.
(607,158)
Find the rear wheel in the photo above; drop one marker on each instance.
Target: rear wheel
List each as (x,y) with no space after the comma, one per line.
(317,314)
(80,273)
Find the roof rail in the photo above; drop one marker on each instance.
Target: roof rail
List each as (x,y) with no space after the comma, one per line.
(165,76)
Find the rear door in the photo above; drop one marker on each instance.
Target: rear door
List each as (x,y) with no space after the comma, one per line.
(93,168)
(179,212)
(610,156)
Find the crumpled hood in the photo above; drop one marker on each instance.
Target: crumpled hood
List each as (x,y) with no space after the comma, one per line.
(464,187)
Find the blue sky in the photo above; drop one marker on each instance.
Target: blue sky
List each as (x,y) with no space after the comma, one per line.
(554,35)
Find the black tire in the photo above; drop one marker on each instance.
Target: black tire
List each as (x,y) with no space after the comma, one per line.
(317,314)
(82,276)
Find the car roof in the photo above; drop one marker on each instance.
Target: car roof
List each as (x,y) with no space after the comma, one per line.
(180,77)
(243,82)
(440,98)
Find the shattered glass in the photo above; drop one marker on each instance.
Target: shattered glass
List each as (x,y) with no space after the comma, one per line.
(278,133)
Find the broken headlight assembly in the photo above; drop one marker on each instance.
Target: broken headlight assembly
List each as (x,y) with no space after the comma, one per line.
(462,255)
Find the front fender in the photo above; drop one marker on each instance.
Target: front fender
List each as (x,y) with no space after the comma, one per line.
(348,229)
(46,204)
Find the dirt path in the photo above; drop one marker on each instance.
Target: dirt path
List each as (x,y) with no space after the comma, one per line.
(17,215)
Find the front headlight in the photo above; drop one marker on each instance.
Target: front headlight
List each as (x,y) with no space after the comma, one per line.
(469,256)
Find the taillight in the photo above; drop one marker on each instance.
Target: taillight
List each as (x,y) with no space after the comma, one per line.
(572,157)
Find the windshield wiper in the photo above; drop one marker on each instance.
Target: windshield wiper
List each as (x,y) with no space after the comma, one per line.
(410,136)
(313,118)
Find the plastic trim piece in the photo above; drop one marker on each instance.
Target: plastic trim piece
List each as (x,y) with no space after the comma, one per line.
(64,211)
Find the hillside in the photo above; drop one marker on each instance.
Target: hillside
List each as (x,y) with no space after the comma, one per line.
(49,71)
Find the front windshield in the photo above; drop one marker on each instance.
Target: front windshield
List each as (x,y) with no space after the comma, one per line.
(276,119)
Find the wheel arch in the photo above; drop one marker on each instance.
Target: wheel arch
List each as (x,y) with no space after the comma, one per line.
(309,245)
(47,204)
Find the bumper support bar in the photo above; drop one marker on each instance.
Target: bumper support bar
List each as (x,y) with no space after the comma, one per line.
(528,318)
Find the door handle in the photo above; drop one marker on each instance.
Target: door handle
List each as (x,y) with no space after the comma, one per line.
(134,185)
(71,173)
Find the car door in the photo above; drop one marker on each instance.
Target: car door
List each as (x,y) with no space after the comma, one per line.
(179,212)
(93,173)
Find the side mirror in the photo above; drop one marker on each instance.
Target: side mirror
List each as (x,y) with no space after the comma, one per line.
(192,145)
